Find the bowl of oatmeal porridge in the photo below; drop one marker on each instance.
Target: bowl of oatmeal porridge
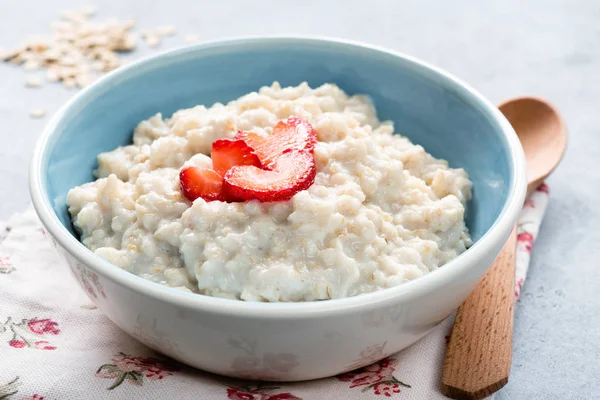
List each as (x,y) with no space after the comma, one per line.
(312,197)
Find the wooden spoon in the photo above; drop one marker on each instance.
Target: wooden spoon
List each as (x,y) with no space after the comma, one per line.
(478,356)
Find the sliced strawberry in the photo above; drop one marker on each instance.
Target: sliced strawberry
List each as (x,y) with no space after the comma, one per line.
(255,166)
(226,153)
(291,134)
(252,139)
(201,182)
(293,171)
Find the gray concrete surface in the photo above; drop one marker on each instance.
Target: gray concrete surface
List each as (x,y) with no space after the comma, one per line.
(504,48)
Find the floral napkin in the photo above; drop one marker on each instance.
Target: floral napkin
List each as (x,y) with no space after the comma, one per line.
(55,344)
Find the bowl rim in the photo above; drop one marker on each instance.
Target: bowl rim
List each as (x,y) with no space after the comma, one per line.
(436,279)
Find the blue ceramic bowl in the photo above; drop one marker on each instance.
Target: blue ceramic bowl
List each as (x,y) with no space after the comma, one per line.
(447,117)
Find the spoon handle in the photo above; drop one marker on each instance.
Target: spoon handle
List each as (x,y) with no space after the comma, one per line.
(478,356)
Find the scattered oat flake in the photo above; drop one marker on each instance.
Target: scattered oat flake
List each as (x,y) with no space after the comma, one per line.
(31,65)
(152,40)
(127,44)
(70,83)
(37,113)
(77,51)
(83,80)
(33,81)
(52,75)
(66,72)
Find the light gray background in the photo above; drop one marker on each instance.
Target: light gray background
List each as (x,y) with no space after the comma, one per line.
(548,48)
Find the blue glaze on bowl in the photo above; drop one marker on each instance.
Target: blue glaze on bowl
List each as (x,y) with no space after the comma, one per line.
(432,109)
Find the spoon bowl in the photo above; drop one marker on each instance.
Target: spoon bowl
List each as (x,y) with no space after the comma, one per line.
(542,133)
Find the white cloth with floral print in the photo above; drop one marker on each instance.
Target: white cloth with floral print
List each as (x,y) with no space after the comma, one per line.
(54,343)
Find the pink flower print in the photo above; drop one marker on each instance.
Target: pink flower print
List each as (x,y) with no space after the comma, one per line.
(543,188)
(370,374)
(135,369)
(34,397)
(258,392)
(24,333)
(43,345)
(378,376)
(386,389)
(283,396)
(529,203)
(107,373)
(6,266)
(43,326)
(91,282)
(519,286)
(96,281)
(236,394)
(88,288)
(156,373)
(128,363)
(527,239)
(17,344)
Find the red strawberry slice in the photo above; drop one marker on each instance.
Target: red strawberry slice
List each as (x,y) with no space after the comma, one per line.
(226,153)
(291,134)
(293,171)
(253,139)
(201,182)
(254,166)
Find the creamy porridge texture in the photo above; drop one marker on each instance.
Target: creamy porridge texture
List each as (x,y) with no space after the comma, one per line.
(381,210)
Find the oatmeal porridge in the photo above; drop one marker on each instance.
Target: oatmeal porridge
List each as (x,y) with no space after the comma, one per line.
(351,209)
